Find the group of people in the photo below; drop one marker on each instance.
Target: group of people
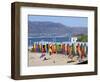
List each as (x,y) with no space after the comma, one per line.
(70,50)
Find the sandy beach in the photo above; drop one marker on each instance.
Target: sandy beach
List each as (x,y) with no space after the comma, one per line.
(55,59)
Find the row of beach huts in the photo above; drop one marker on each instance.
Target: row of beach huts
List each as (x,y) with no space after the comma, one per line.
(64,48)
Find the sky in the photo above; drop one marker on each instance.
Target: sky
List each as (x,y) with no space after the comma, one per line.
(66,20)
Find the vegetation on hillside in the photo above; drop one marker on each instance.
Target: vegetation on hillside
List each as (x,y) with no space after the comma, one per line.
(82,38)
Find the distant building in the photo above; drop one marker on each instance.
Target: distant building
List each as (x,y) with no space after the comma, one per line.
(74,39)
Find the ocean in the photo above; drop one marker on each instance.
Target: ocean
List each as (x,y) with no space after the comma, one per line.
(31,40)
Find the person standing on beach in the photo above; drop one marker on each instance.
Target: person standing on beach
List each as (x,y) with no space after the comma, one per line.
(85,49)
(40,46)
(68,49)
(73,49)
(70,52)
(79,52)
(47,48)
(54,49)
(54,52)
(83,53)
(50,49)
(63,48)
(32,48)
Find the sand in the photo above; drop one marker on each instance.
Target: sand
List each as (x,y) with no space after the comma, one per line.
(55,59)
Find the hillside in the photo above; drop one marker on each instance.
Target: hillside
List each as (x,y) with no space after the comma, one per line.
(47,29)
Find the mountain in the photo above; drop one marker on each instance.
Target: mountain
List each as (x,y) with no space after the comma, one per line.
(47,28)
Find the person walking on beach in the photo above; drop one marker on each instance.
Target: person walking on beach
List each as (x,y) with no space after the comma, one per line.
(43,51)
